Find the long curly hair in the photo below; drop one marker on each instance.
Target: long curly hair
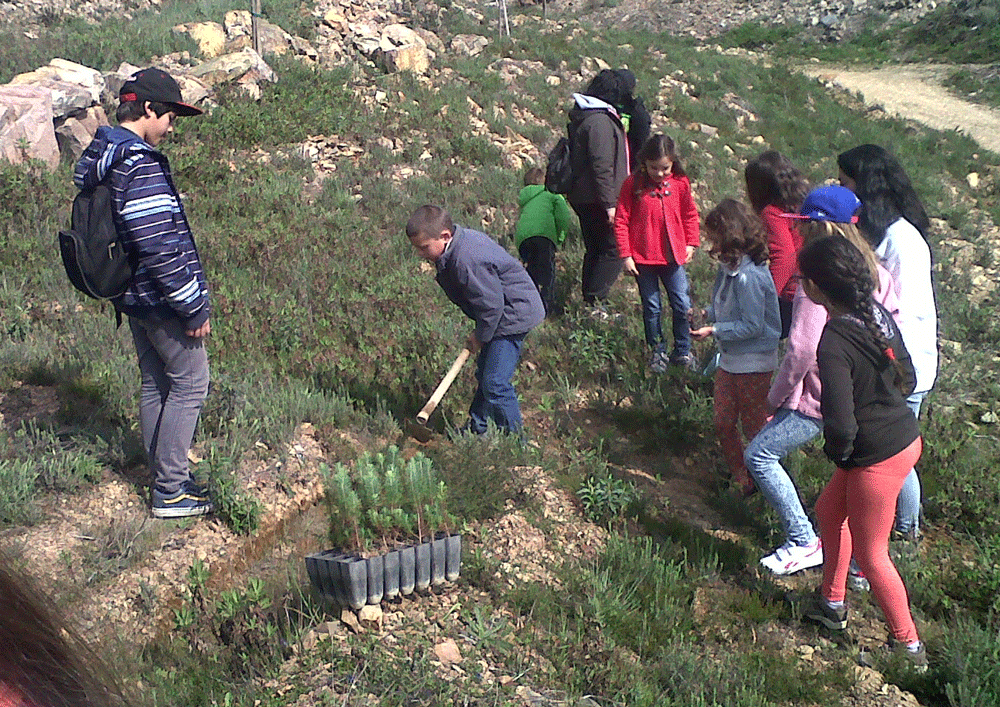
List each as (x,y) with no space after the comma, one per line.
(772,180)
(884,189)
(734,230)
(838,269)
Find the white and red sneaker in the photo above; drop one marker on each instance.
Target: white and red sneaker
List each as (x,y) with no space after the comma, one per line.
(791,558)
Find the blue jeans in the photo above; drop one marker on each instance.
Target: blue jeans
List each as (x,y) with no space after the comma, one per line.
(495,398)
(908,503)
(675,282)
(787,430)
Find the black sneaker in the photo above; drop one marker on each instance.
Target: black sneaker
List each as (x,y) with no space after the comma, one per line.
(687,361)
(819,611)
(895,652)
(189,500)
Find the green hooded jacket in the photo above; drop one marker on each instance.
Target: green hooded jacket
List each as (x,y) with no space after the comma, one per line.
(542,214)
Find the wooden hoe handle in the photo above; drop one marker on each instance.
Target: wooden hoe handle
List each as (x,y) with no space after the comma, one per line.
(449,378)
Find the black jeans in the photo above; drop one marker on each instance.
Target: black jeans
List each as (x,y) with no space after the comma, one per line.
(601,263)
(539,256)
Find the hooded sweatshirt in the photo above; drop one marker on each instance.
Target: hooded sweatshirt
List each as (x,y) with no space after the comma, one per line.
(168,281)
(542,214)
(865,417)
(599,151)
(796,383)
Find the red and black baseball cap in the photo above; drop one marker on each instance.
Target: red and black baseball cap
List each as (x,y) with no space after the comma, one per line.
(157,85)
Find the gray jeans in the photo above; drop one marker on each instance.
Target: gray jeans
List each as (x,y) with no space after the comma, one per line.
(174,370)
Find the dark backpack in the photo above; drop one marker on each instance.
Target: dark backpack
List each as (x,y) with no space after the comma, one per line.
(92,254)
(559,170)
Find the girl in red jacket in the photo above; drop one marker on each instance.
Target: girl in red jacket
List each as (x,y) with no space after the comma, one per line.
(775,187)
(656,226)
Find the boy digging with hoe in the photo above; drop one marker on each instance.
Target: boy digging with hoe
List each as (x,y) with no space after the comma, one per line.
(495,291)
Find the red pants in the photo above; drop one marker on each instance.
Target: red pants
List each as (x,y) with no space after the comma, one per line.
(856,512)
(740,402)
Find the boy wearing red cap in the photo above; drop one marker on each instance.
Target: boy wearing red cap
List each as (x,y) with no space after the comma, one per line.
(167,300)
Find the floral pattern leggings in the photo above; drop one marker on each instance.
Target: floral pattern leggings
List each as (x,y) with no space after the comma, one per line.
(740,405)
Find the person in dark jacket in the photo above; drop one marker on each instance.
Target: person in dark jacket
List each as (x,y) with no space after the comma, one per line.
(871,435)
(600,154)
(167,300)
(635,117)
(493,289)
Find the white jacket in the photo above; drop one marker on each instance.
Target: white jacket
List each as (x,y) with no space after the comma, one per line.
(905,255)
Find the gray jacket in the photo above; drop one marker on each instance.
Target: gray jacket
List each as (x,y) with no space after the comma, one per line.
(489,285)
(745,309)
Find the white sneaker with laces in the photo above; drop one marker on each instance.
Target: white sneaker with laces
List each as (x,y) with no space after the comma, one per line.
(791,558)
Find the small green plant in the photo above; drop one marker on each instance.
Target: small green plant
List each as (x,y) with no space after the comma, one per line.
(607,499)
(385,497)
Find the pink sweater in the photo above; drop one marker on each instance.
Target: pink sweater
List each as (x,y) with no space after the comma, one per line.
(796,382)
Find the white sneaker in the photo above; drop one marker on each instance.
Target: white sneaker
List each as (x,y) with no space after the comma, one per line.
(791,558)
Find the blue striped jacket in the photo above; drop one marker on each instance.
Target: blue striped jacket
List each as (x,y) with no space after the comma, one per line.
(169,280)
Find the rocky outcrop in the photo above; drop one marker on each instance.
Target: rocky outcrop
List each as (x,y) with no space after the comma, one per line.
(26,126)
(57,108)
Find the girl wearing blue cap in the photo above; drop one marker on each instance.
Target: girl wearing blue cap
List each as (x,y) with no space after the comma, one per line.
(795,391)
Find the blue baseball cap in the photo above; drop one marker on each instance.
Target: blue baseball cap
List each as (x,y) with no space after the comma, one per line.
(829,203)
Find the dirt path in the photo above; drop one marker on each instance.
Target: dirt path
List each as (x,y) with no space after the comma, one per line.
(914,91)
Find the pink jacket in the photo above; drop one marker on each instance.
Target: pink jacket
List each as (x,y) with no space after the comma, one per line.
(796,382)
(655,226)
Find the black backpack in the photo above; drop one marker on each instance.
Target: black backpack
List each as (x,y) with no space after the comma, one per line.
(92,254)
(559,170)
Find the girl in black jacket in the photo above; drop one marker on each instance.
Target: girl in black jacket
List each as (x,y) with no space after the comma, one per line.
(870,435)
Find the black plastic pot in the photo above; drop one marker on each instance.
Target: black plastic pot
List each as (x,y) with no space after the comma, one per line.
(453,564)
(330,575)
(407,570)
(376,578)
(354,581)
(439,558)
(354,576)
(423,578)
(390,574)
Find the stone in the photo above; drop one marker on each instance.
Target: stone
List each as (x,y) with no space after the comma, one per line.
(26,129)
(370,616)
(75,133)
(209,36)
(973,180)
(552,80)
(234,67)
(367,37)
(431,40)
(447,652)
(402,49)
(73,86)
(468,44)
(348,618)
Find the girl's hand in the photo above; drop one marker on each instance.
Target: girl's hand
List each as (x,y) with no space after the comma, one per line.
(702,333)
(690,252)
(630,267)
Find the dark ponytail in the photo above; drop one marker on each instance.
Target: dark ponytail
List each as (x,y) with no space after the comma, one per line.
(838,269)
